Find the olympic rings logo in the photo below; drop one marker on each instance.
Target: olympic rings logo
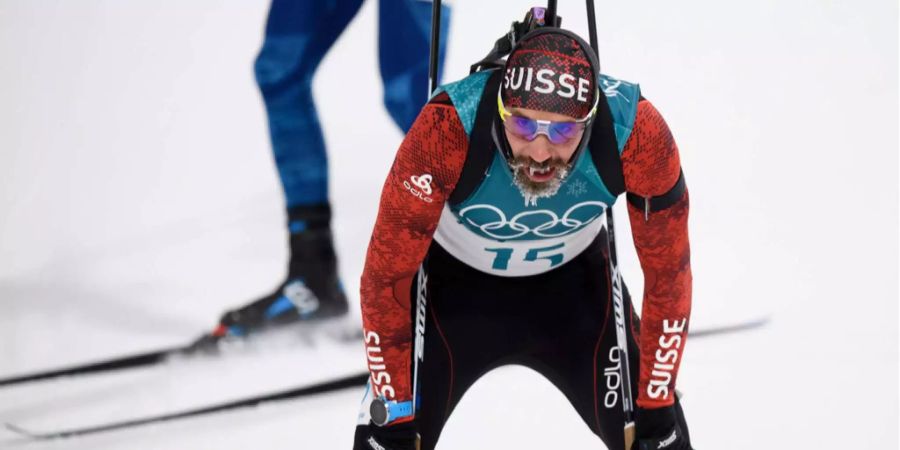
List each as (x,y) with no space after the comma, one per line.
(503,228)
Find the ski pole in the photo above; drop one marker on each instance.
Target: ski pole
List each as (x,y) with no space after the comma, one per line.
(616,279)
(551,13)
(435,45)
(592,28)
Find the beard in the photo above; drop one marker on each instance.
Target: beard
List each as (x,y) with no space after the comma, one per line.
(533,190)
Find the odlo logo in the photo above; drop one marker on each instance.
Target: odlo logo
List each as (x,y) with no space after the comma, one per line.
(613,379)
(420,187)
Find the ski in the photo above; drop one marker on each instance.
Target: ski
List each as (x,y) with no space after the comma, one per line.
(159,356)
(289,394)
(125,362)
(748,325)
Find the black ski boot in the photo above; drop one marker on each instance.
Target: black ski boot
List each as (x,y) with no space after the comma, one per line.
(312,291)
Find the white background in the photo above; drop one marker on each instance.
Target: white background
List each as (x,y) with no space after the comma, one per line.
(138,200)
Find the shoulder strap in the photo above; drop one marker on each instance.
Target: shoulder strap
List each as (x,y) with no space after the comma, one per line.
(481,145)
(605,151)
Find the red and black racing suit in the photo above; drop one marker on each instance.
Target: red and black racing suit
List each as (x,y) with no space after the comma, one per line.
(559,323)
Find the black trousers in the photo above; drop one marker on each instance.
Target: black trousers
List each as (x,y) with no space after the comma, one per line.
(559,323)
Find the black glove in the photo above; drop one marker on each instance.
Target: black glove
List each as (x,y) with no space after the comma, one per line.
(402,436)
(658,429)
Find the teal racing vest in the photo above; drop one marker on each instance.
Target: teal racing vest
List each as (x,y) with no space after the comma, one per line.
(496,231)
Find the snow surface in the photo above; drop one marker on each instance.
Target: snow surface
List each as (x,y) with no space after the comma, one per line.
(138,200)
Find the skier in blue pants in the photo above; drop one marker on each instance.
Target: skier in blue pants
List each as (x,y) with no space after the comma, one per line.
(298,35)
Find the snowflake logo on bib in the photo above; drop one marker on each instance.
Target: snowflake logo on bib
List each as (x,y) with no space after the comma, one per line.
(577,188)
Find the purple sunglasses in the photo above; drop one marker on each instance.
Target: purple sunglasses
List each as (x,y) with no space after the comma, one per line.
(529,129)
